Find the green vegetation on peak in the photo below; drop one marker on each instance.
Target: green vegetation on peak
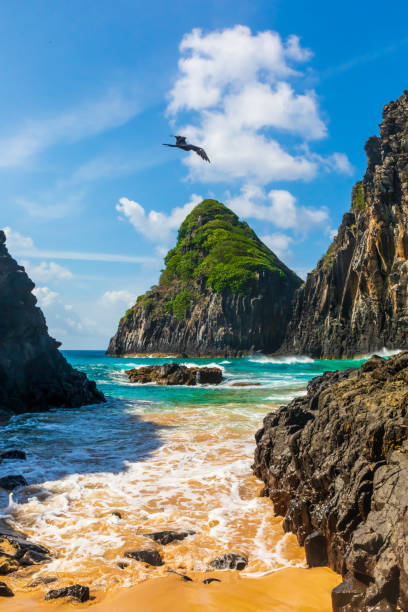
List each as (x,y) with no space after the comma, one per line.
(359,201)
(214,246)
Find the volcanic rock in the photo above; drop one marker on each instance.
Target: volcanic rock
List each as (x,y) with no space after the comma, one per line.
(356,300)
(335,465)
(174,374)
(17,552)
(34,375)
(9,483)
(13,454)
(5,591)
(166,537)
(229,561)
(146,555)
(222,293)
(76,591)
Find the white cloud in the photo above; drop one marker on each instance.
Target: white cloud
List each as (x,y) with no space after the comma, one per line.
(278,243)
(23,246)
(120,296)
(16,241)
(45,296)
(45,272)
(239,89)
(279,208)
(62,320)
(156,226)
(91,118)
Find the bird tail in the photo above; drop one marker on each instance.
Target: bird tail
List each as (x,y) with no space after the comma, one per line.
(168,145)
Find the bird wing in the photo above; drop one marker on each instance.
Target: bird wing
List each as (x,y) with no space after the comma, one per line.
(180,140)
(200,152)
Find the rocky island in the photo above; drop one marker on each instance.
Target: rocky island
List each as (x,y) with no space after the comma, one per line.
(356,300)
(34,375)
(222,293)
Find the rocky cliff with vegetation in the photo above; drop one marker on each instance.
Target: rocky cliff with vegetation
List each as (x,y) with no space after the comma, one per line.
(335,465)
(222,293)
(356,300)
(34,375)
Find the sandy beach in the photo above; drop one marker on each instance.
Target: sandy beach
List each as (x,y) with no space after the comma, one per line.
(288,590)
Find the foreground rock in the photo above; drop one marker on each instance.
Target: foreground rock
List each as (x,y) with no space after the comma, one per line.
(174,374)
(335,465)
(168,536)
(11,482)
(34,375)
(151,556)
(222,293)
(229,561)
(5,591)
(16,552)
(356,300)
(77,591)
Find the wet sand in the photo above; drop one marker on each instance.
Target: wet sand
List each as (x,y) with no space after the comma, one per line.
(288,590)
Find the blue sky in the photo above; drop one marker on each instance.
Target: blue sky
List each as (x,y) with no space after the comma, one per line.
(282,95)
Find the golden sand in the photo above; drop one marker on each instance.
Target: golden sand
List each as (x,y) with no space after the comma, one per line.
(288,590)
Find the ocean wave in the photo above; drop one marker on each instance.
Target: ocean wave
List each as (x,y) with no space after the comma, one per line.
(384,352)
(288,360)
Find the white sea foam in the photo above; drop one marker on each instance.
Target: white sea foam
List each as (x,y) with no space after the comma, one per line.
(288,360)
(384,352)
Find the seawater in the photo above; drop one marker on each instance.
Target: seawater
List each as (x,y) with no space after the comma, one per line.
(164,458)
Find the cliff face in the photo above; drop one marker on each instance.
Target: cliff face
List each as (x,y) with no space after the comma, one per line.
(222,293)
(33,374)
(356,300)
(335,465)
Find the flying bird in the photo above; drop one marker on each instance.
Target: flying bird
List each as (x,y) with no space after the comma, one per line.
(181,143)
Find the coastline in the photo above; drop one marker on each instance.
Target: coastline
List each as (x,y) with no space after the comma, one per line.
(286,590)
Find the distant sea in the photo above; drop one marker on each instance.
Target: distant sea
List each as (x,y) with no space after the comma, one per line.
(159,458)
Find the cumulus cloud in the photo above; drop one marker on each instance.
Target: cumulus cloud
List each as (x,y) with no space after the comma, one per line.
(277,207)
(16,241)
(46,271)
(156,226)
(62,319)
(239,90)
(119,296)
(278,243)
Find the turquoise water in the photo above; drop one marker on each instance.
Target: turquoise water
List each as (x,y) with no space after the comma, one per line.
(165,457)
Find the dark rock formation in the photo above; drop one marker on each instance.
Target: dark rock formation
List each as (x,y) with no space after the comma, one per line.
(34,375)
(17,552)
(335,465)
(5,591)
(13,454)
(76,591)
(166,537)
(356,300)
(11,482)
(229,561)
(222,293)
(151,556)
(174,374)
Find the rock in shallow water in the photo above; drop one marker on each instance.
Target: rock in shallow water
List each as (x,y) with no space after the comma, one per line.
(175,374)
(77,591)
(166,537)
(146,555)
(11,482)
(5,591)
(229,561)
(13,454)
